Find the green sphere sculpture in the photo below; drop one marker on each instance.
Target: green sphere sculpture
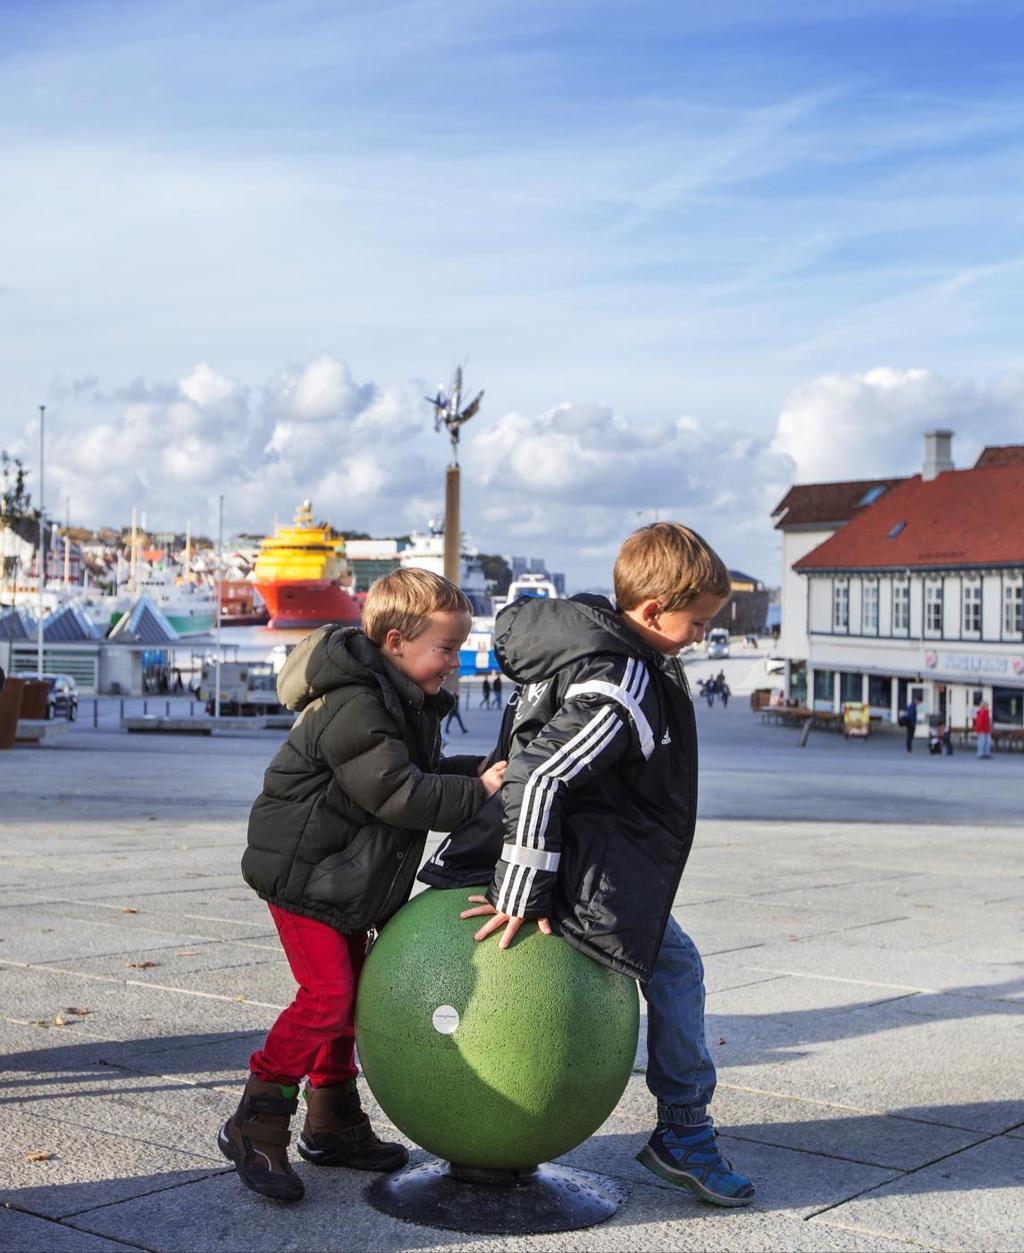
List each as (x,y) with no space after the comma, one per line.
(493,1060)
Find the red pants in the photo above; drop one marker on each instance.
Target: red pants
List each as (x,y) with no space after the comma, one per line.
(315,1035)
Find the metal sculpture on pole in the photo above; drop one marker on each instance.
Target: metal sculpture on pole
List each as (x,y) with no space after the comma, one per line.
(449,413)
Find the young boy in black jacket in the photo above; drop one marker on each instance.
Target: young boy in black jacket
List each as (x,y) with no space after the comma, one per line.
(597,814)
(334,841)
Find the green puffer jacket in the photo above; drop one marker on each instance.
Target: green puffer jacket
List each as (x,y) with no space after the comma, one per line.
(338,831)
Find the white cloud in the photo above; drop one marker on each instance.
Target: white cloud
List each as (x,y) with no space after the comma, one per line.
(861,425)
(567,484)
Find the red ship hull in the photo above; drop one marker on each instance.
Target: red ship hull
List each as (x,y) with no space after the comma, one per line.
(309,603)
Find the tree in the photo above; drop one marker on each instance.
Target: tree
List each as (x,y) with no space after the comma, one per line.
(497,572)
(15,501)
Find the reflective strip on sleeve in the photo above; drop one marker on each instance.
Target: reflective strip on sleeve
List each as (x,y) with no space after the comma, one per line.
(628,697)
(516,855)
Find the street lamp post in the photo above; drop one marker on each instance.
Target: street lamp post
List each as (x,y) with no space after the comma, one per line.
(41,564)
(220,561)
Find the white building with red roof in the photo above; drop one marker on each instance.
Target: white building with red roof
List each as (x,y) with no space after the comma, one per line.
(917,588)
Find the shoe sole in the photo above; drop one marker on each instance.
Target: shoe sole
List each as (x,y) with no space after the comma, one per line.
(646,1157)
(327,1157)
(226,1146)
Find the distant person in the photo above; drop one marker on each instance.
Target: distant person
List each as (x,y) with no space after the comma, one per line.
(485,693)
(724,692)
(454,714)
(939,740)
(710,689)
(983,731)
(334,841)
(909,720)
(595,818)
(496,690)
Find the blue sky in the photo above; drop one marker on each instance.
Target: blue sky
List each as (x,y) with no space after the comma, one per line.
(677,243)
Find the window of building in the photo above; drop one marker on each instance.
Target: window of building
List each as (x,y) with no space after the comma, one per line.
(870,609)
(1008,705)
(901,607)
(880,691)
(851,687)
(871,495)
(933,608)
(841,607)
(824,684)
(1013,608)
(972,608)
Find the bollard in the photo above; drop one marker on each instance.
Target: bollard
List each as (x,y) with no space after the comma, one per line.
(95,712)
(145,709)
(495,1061)
(122,709)
(167,710)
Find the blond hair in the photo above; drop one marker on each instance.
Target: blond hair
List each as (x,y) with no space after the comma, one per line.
(669,563)
(403,600)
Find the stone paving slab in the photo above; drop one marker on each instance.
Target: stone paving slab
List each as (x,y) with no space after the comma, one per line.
(89,1168)
(133,919)
(909,970)
(213,1215)
(969,1202)
(28,1234)
(859,1135)
(944,1059)
(122,1010)
(183,962)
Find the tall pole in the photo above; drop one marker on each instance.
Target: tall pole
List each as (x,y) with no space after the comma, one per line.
(452,524)
(42,541)
(220,550)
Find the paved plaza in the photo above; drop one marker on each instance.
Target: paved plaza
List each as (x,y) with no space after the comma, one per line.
(858,908)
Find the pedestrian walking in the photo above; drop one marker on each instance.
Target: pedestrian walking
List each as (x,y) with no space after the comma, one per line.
(908,719)
(496,691)
(454,713)
(724,692)
(983,730)
(485,694)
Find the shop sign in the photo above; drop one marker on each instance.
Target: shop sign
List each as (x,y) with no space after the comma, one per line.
(973,663)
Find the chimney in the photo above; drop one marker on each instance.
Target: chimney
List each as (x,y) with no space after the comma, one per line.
(937,454)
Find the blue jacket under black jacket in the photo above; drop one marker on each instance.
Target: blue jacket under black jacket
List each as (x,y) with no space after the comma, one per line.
(594,823)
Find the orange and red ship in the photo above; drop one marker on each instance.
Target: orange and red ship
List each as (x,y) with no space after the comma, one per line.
(303,576)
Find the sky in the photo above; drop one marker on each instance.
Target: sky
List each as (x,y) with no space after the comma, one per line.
(694,252)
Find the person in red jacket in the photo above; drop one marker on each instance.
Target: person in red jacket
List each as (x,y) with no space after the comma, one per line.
(983,730)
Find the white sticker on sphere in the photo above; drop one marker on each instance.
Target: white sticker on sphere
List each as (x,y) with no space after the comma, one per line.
(445,1019)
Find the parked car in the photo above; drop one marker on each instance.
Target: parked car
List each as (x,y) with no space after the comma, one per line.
(62,699)
(718,642)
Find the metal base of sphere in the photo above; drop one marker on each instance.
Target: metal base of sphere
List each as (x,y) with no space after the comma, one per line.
(496,1202)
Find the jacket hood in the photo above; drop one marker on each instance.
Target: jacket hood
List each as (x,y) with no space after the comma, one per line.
(533,638)
(333,657)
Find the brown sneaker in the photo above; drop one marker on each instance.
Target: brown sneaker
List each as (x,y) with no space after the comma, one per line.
(337,1132)
(256,1139)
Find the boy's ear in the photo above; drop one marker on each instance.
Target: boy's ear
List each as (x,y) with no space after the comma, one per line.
(393,640)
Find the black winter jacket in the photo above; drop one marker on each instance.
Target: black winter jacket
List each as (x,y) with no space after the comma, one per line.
(339,828)
(598,806)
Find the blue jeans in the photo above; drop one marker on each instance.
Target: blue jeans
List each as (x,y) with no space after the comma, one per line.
(680,1072)
(984,744)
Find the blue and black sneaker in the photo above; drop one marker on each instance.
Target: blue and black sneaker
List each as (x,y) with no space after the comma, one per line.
(689,1157)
